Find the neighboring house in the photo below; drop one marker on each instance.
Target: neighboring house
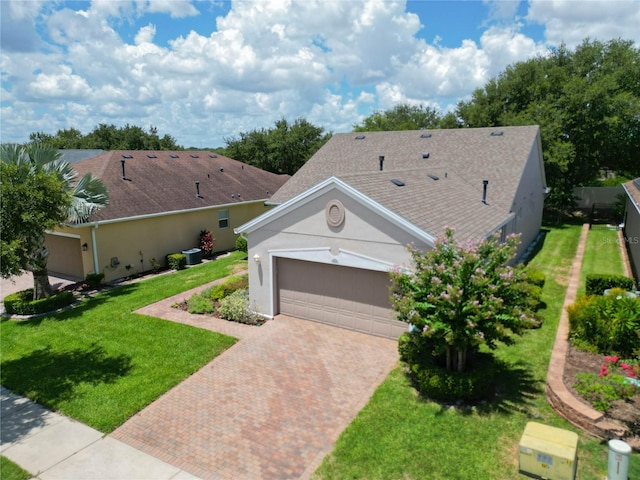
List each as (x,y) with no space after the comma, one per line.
(632,225)
(346,217)
(159,201)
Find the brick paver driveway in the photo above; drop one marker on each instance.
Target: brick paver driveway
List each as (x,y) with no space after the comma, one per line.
(270,407)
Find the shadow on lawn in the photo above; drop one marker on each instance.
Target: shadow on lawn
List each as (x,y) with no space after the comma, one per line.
(515,390)
(49,377)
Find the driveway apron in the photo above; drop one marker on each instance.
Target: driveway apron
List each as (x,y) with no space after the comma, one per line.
(270,407)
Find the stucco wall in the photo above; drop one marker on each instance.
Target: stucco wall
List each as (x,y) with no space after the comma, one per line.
(134,243)
(304,234)
(528,203)
(632,237)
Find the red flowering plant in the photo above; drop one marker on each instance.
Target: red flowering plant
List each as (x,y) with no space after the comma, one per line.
(618,379)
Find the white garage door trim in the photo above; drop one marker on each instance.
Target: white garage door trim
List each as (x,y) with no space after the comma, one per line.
(337,295)
(321,255)
(341,257)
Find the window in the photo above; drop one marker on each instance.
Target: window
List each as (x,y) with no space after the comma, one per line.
(223,219)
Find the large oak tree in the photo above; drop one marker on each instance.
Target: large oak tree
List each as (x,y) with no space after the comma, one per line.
(587,103)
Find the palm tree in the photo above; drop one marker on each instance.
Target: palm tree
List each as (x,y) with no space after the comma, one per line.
(80,200)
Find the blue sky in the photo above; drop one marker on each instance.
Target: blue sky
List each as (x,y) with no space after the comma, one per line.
(203,71)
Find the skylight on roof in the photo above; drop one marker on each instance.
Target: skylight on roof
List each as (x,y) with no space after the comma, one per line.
(425,154)
(497,133)
(360,137)
(173,155)
(432,176)
(151,155)
(397,182)
(127,156)
(213,155)
(193,155)
(425,135)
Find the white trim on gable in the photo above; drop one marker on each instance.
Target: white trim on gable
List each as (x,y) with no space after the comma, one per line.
(334,183)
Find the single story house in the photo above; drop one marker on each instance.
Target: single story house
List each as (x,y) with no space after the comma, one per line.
(344,220)
(632,225)
(159,201)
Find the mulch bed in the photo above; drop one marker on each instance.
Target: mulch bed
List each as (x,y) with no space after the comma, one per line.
(622,412)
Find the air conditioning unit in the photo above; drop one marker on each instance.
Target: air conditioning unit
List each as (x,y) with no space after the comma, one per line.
(548,453)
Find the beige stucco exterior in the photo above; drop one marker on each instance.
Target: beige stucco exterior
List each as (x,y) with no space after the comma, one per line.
(134,242)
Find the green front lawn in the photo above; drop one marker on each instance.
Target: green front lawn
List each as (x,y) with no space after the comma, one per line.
(400,435)
(100,363)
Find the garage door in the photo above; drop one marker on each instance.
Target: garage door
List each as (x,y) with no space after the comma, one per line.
(65,256)
(345,297)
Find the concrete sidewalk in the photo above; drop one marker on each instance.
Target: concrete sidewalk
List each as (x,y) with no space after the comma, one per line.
(51,446)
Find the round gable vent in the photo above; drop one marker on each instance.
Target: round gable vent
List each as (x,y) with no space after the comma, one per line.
(334,213)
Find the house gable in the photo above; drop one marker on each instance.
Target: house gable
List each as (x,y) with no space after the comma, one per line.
(305,214)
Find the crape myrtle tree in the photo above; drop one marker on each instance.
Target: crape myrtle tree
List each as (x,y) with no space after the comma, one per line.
(40,192)
(461,296)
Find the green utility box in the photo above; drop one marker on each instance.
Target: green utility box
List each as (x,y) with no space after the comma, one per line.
(547,452)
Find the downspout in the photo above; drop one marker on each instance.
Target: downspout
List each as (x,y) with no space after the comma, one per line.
(94,248)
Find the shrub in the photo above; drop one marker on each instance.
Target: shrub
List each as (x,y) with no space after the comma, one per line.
(228,287)
(199,304)
(206,243)
(599,392)
(235,307)
(611,384)
(536,277)
(596,284)
(438,383)
(22,303)
(94,280)
(177,261)
(241,244)
(610,323)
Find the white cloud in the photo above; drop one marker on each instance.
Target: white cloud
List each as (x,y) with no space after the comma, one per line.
(570,22)
(59,84)
(145,34)
(175,8)
(325,61)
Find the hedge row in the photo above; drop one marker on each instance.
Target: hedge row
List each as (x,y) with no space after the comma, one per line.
(22,303)
(597,283)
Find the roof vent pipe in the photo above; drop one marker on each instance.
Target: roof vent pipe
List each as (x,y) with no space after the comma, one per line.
(122,162)
(484,191)
(198,190)
(381,158)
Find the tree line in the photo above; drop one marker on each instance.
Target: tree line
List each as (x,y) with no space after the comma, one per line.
(107,137)
(586,101)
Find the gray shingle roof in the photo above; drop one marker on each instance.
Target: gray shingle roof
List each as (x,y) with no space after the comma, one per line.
(75,155)
(160,183)
(460,158)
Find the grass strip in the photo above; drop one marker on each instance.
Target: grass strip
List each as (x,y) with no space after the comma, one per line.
(11,471)
(602,254)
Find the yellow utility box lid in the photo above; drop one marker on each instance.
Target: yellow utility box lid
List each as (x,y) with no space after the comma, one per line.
(548,452)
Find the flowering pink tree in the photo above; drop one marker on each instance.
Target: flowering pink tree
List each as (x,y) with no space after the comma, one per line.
(462,296)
